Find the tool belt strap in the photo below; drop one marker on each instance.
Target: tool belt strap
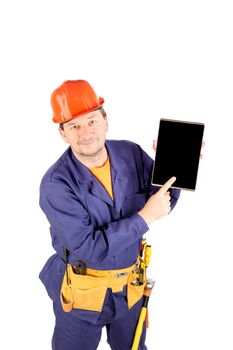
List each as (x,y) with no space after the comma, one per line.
(110,273)
(114,279)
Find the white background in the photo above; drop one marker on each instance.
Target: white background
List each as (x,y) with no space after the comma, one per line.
(148,59)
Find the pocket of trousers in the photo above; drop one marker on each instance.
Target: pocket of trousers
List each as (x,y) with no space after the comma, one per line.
(52,275)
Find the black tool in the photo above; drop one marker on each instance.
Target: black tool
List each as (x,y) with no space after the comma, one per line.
(66,254)
(141,276)
(80,268)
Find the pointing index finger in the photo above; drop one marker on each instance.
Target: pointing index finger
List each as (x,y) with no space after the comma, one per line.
(167,185)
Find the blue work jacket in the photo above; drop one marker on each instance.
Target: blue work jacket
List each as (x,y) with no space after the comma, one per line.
(104,233)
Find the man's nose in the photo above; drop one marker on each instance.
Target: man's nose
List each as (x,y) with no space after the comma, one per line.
(84,130)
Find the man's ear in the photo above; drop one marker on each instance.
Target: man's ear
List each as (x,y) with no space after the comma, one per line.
(63,135)
(106,124)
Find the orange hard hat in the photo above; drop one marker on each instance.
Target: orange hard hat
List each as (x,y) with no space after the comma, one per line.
(73,99)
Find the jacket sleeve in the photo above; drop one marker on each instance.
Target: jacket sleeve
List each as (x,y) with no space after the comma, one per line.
(75,230)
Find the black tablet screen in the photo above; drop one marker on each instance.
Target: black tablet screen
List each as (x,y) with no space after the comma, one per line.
(178,153)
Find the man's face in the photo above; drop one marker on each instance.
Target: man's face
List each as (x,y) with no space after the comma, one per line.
(86,134)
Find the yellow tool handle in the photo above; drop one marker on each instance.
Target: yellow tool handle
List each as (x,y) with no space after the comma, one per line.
(147,255)
(139,328)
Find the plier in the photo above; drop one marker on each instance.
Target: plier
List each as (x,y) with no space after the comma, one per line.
(80,268)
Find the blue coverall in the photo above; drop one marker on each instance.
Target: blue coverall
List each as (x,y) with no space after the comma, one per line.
(104,233)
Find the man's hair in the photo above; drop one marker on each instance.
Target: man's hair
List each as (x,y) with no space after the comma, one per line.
(101,109)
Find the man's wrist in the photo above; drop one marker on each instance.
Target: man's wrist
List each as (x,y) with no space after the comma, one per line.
(146,218)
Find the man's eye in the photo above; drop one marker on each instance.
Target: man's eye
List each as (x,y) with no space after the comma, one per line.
(73,127)
(93,121)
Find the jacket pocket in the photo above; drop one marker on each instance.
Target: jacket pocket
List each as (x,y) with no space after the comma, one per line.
(133,203)
(52,275)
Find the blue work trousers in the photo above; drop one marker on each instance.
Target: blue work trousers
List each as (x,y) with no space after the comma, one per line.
(71,333)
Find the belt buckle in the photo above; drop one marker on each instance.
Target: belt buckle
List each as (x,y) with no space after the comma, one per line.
(121,274)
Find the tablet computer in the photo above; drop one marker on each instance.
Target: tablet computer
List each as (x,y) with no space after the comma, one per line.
(178,153)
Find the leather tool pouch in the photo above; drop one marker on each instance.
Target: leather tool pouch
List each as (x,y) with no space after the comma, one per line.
(134,292)
(82,292)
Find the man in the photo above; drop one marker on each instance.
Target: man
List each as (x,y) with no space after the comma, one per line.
(99,202)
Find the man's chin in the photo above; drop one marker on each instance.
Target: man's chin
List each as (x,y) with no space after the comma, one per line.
(90,151)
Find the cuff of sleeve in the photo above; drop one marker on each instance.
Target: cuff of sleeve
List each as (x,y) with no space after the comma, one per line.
(141,224)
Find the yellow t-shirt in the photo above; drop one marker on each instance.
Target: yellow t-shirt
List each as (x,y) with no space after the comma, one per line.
(103,174)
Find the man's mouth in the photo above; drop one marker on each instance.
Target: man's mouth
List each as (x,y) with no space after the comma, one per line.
(86,143)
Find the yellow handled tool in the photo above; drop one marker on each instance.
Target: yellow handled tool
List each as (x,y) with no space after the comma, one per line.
(147,255)
(147,292)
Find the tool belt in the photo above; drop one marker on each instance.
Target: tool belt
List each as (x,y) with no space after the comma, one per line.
(85,288)
(88,291)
